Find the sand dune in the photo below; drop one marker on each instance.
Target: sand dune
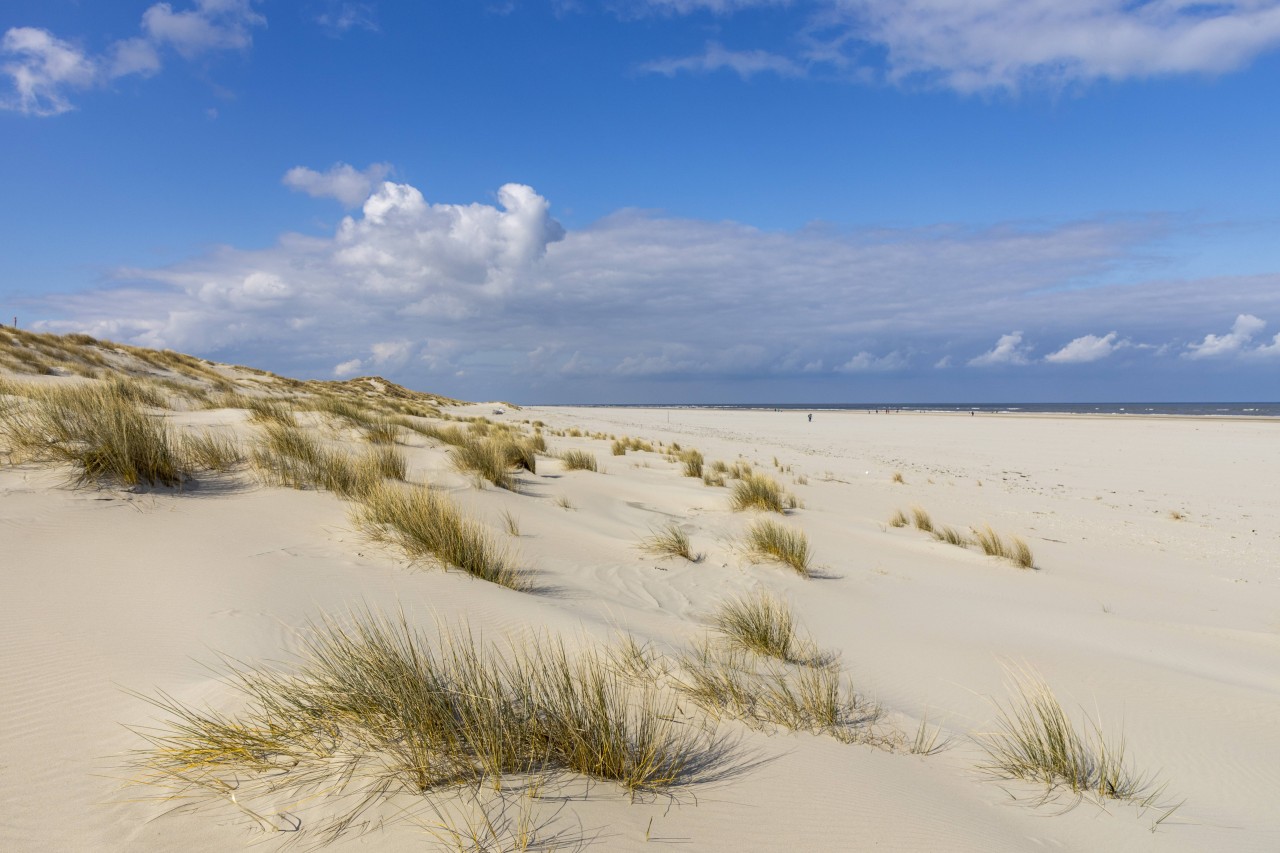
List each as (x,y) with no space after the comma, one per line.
(1164,629)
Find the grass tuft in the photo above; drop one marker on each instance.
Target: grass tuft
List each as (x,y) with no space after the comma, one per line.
(1034,740)
(769,540)
(99,428)
(951,536)
(758,491)
(1015,550)
(578,460)
(428,526)
(692,463)
(920,518)
(670,540)
(898,519)
(373,711)
(763,624)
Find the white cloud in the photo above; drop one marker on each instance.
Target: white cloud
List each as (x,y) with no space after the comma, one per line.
(865,362)
(1242,332)
(211,25)
(341,181)
(943,362)
(348,368)
(435,291)
(1008,350)
(715,57)
(1087,348)
(42,67)
(1271,350)
(980,45)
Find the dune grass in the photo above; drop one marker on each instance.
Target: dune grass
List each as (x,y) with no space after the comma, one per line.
(426,525)
(100,429)
(290,456)
(764,624)
(1015,550)
(768,540)
(669,540)
(374,710)
(951,536)
(921,519)
(382,432)
(729,682)
(758,491)
(210,451)
(691,463)
(897,477)
(578,460)
(1034,740)
(898,519)
(495,459)
(268,410)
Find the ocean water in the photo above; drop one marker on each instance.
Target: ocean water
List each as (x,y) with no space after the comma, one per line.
(1241,410)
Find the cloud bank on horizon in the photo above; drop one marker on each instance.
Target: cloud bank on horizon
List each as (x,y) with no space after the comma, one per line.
(484,292)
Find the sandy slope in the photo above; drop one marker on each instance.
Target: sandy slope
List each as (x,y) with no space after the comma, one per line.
(1168,629)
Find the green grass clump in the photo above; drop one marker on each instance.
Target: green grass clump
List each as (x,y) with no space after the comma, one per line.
(1034,740)
(428,526)
(376,711)
(670,540)
(1015,550)
(769,540)
(762,624)
(97,427)
(758,491)
(578,460)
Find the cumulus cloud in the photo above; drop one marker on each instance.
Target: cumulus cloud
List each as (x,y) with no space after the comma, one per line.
(716,57)
(498,292)
(1087,348)
(1213,346)
(43,69)
(1008,350)
(341,181)
(978,45)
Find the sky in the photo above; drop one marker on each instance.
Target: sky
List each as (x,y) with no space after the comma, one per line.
(658,201)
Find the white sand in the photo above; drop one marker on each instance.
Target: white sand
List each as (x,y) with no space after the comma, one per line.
(1167,630)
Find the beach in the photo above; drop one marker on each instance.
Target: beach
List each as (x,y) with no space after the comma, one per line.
(1152,610)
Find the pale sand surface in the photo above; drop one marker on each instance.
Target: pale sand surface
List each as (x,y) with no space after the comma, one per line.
(1167,630)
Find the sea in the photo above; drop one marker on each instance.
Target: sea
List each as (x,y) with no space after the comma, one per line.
(1221,410)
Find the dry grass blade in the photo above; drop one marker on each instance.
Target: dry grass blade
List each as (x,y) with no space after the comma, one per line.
(898,519)
(691,463)
(670,540)
(769,540)
(427,525)
(1034,740)
(211,451)
(495,459)
(1015,550)
(951,536)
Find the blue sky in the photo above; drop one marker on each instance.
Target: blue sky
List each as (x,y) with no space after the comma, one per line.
(659,200)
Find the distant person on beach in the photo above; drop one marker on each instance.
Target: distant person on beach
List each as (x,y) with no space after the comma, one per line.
(811,418)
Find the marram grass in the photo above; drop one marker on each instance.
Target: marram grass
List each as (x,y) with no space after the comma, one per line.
(428,526)
(669,540)
(758,491)
(768,540)
(763,624)
(375,710)
(1034,740)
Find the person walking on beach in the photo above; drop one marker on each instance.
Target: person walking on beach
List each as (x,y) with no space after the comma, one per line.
(811,418)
